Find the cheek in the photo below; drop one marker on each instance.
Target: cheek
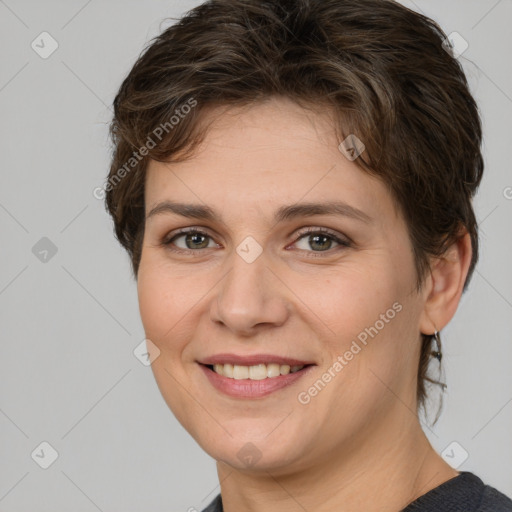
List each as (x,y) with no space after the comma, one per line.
(371,316)
(149,291)
(170,299)
(353,297)
(162,299)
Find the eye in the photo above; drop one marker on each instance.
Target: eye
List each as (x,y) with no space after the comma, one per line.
(192,239)
(320,240)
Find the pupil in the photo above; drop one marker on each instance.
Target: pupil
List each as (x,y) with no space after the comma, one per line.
(193,237)
(324,237)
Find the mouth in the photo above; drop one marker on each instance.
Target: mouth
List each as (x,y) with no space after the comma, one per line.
(254,381)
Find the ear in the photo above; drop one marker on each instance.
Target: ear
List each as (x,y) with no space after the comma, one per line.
(444,286)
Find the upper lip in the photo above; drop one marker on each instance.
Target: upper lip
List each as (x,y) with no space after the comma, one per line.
(252,360)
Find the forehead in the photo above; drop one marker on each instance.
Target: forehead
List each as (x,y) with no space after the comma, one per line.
(264,156)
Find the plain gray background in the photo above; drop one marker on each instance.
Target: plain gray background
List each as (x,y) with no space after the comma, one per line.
(70,323)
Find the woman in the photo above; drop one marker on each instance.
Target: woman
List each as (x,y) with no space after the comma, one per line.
(293,183)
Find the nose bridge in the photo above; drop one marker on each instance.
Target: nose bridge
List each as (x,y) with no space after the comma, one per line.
(248,295)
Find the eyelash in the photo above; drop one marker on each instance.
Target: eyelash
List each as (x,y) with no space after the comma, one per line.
(302,234)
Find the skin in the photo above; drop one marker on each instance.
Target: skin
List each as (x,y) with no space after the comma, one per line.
(358,444)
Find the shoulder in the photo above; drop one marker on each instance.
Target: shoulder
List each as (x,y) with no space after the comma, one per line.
(216,505)
(464,493)
(494,501)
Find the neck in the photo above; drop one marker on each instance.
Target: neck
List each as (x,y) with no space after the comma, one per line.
(382,471)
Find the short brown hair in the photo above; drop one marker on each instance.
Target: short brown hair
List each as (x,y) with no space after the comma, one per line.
(381,68)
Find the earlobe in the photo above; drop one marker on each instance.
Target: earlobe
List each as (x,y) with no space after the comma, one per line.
(446,283)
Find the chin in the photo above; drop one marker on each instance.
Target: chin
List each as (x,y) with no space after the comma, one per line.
(255,457)
(255,447)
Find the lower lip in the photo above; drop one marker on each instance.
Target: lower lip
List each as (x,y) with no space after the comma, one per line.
(247,388)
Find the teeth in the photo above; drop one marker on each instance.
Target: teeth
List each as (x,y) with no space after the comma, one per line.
(240,372)
(273,370)
(256,372)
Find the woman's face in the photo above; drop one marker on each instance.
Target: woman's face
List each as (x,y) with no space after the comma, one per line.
(255,284)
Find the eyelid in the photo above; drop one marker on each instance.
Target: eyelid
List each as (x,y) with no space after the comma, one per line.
(183,231)
(317,229)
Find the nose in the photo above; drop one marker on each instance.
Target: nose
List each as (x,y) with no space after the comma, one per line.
(249,297)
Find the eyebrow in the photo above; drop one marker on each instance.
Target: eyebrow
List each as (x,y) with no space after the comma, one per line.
(284,213)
